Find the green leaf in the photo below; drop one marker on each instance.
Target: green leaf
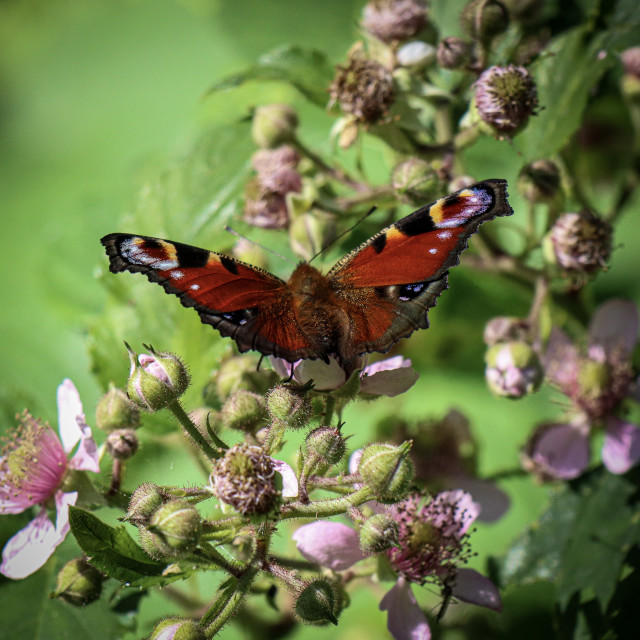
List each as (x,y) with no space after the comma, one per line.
(114,552)
(307,70)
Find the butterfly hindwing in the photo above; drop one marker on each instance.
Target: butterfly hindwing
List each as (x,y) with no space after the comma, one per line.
(397,275)
(245,303)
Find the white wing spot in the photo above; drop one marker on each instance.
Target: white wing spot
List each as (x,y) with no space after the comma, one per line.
(433,250)
(194,287)
(444,235)
(177,274)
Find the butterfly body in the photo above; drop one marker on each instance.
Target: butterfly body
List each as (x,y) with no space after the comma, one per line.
(373,297)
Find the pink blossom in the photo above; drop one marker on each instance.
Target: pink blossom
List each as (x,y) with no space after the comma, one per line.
(289,479)
(32,471)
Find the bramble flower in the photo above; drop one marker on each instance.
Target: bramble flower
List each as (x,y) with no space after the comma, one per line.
(432,544)
(513,369)
(33,468)
(596,382)
(388,377)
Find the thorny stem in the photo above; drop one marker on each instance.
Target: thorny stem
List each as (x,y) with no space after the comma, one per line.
(326,508)
(185,422)
(211,554)
(117,474)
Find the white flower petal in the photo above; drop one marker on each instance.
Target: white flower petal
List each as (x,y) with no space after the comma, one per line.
(405,619)
(289,478)
(389,377)
(331,544)
(69,408)
(475,588)
(86,457)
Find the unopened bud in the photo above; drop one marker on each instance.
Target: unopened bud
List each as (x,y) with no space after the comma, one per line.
(454,53)
(416,55)
(244,411)
(378,533)
(122,444)
(156,380)
(415,181)
(387,470)
(174,529)
(145,501)
(506,329)
(484,19)
(320,602)
(175,628)
(116,411)
(513,369)
(237,372)
(290,403)
(539,181)
(78,583)
(323,448)
(274,125)
(393,20)
(311,232)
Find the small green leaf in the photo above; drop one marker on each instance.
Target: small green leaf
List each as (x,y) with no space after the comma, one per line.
(307,70)
(114,552)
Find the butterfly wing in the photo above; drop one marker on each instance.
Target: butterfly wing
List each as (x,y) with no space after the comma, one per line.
(247,304)
(388,284)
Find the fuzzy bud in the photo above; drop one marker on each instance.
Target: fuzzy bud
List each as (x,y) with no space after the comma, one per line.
(454,53)
(78,583)
(174,529)
(235,373)
(274,125)
(387,470)
(320,602)
(323,448)
(116,411)
(539,181)
(122,444)
(416,55)
(156,380)
(581,242)
(144,502)
(484,19)
(290,403)
(513,369)
(394,20)
(506,329)
(175,628)
(244,411)
(364,89)
(505,98)
(312,231)
(378,533)
(415,181)
(244,479)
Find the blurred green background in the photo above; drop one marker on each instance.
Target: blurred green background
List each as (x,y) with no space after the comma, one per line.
(95,95)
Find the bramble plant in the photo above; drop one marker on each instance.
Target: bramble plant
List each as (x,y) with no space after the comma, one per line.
(280,508)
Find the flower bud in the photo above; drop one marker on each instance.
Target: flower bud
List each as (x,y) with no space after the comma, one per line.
(244,411)
(237,372)
(174,529)
(415,181)
(156,380)
(263,208)
(274,125)
(122,444)
(505,98)
(484,19)
(311,232)
(378,533)
(393,20)
(581,242)
(175,628)
(320,602)
(322,448)
(539,181)
(416,55)
(244,479)
(145,501)
(78,583)
(513,369)
(364,89)
(506,329)
(454,53)
(290,403)
(387,470)
(116,411)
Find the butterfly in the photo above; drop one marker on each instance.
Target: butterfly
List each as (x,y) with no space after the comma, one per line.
(370,299)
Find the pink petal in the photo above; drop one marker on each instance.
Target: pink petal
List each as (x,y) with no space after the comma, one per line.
(331,544)
(31,547)
(621,448)
(492,500)
(289,478)
(86,457)
(475,588)
(562,451)
(561,359)
(168,633)
(466,511)
(69,408)
(354,460)
(389,377)
(325,376)
(405,619)
(615,326)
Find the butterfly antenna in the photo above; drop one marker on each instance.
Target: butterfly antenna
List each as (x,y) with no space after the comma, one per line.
(257,244)
(344,233)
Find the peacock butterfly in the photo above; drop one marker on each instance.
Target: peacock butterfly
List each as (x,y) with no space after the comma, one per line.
(373,297)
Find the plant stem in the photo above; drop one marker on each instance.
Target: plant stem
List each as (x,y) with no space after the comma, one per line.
(326,508)
(181,416)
